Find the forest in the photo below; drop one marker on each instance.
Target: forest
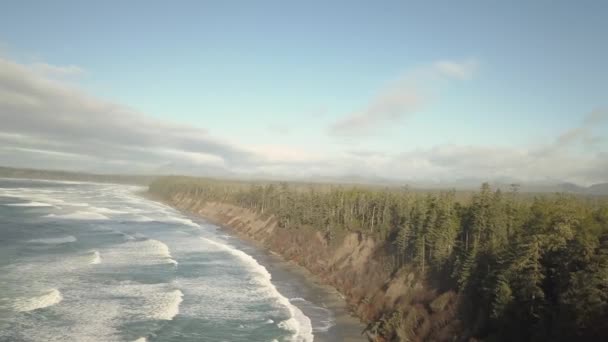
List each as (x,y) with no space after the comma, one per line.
(525,267)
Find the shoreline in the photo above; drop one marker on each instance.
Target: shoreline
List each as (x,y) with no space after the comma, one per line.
(347,326)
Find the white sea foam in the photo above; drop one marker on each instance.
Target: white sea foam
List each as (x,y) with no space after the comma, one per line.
(91,310)
(150,301)
(162,248)
(102,210)
(142,218)
(137,251)
(167,305)
(47,299)
(32,196)
(298,323)
(80,215)
(321,324)
(96,258)
(54,240)
(29,204)
(76,204)
(181,220)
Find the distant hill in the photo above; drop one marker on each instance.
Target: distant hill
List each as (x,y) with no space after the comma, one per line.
(595,189)
(468,184)
(598,189)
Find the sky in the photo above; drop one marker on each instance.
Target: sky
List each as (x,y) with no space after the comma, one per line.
(409,91)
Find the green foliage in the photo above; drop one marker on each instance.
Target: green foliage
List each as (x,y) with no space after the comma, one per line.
(524,268)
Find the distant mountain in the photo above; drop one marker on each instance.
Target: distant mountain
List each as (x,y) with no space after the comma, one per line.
(462,184)
(598,189)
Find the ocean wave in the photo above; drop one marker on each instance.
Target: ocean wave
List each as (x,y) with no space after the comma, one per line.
(32,196)
(29,204)
(167,305)
(163,249)
(298,323)
(54,240)
(52,297)
(142,218)
(139,251)
(76,204)
(150,301)
(181,220)
(103,210)
(141,339)
(80,215)
(96,258)
(324,317)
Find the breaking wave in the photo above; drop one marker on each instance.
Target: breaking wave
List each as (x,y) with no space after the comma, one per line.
(96,259)
(168,305)
(52,297)
(29,204)
(55,240)
(298,323)
(139,251)
(80,215)
(102,210)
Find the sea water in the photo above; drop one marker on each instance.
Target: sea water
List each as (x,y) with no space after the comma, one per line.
(97,262)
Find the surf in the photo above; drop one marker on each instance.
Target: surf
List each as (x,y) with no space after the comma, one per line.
(298,324)
(50,298)
(79,215)
(96,258)
(29,204)
(54,240)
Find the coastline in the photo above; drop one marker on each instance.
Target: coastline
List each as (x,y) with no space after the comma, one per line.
(288,276)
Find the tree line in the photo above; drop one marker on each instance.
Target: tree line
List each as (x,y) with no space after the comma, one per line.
(524,267)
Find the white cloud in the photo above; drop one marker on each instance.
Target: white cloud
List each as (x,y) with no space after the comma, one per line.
(400,99)
(598,115)
(47,123)
(56,71)
(39,113)
(390,105)
(457,70)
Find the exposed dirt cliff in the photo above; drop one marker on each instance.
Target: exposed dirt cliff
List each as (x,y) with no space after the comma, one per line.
(398,305)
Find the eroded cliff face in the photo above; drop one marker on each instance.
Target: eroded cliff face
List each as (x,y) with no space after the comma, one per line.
(397,306)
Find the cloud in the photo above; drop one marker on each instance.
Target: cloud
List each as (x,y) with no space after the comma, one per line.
(584,135)
(42,117)
(279,129)
(458,70)
(400,99)
(56,71)
(49,123)
(576,155)
(596,116)
(451,162)
(391,105)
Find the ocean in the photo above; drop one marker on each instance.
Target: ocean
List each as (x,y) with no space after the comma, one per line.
(97,262)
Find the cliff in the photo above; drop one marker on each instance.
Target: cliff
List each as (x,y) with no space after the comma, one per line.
(395,305)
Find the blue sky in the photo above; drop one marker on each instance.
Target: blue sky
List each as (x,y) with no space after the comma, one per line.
(312,80)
